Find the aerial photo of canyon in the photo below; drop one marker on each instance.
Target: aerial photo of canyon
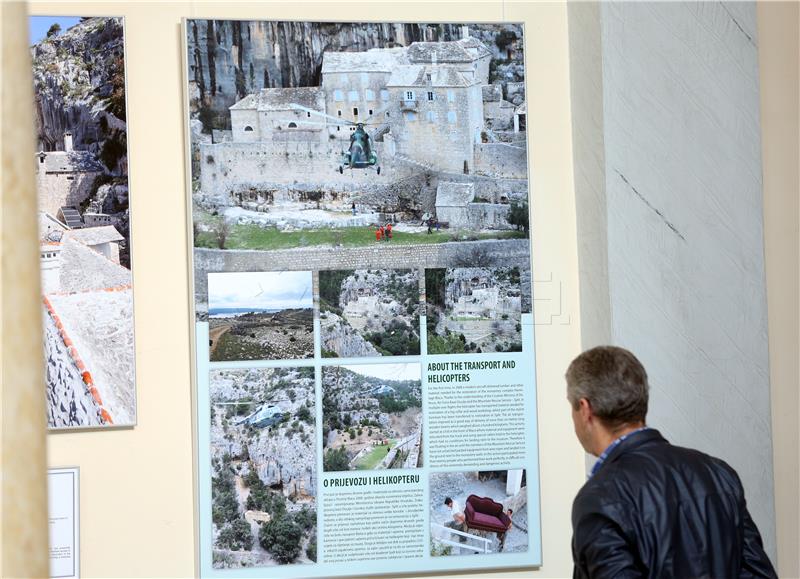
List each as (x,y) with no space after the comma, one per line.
(263,467)
(369,312)
(372,417)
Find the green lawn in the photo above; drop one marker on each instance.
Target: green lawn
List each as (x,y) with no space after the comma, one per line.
(373,459)
(251,236)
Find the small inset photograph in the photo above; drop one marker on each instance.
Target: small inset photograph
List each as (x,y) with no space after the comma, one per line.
(473,310)
(478,512)
(260,315)
(263,467)
(369,312)
(371,417)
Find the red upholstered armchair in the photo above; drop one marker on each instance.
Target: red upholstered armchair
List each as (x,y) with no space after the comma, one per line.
(484,514)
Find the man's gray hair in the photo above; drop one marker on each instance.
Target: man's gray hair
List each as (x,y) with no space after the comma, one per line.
(613,381)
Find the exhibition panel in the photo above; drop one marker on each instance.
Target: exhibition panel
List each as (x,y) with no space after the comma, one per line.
(362,297)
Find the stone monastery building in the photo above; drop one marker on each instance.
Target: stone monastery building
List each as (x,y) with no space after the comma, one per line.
(422,104)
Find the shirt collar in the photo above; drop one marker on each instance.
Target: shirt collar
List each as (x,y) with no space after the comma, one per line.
(602,458)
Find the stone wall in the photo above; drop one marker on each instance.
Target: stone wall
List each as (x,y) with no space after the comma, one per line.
(502,160)
(57,190)
(488,216)
(233,167)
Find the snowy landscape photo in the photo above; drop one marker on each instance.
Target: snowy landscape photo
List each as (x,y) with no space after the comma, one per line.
(81,163)
(261,315)
(372,417)
(263,461)
(342,146)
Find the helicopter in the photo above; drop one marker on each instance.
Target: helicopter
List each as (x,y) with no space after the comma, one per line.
(360,153)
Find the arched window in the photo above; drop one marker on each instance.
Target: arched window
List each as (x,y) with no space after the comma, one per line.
(292,125)
(248,129)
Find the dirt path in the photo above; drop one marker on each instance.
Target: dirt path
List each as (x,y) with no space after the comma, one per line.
(215,335)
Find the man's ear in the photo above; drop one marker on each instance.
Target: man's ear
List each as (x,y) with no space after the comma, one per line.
(585,410)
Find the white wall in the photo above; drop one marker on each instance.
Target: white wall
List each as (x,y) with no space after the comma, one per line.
(678,186)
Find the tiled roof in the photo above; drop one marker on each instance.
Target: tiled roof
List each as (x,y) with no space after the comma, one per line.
(416,75)
(69,162)
(83,269)
(373,60)
(94,235)
(465,50)
(281,99)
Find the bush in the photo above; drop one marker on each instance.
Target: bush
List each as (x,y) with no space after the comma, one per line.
(236,536)
(225,507)
(304,414)
(306,518)
(53,30)
(116,102)
(335,459)
(311,550)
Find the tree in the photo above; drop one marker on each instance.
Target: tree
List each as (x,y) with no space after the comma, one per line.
(53,30)
(239,80)
(113,149)
(518,216)
(449,344)
(222,230)
(282,538)
(311,551)
(504,38)
(335,459)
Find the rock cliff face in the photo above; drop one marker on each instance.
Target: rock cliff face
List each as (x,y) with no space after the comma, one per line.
(79,85)
(229,59)
(339,337)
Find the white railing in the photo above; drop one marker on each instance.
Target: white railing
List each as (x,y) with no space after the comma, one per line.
(484,549)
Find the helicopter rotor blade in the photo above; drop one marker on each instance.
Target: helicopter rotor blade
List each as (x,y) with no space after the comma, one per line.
(298,122)
(338,121)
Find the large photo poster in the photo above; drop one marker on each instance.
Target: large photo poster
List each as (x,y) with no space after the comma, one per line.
(84,220)
(362,297)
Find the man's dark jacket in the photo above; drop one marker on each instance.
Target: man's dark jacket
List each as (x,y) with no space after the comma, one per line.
(661,511)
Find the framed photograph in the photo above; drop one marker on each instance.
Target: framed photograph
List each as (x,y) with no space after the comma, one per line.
(84,220)
(63,494)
